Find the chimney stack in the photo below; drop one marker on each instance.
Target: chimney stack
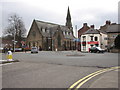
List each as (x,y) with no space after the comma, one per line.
(84,24)
(108,22)
(92,26)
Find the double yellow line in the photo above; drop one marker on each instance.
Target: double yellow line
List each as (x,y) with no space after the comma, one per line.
(80,82)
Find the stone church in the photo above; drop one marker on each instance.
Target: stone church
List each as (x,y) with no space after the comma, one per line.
(49,36)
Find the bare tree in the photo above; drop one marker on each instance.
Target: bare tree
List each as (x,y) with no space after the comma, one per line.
(16,28)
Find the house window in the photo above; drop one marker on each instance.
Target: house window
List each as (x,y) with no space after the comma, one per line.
(68,33)
(96,38)
(43,30)
(65,32)
(91,38)
(46,29)
(84,38)
(84,48)
(114,36)
(106,38)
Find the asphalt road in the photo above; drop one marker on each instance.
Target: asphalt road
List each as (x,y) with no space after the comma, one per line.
(53,69)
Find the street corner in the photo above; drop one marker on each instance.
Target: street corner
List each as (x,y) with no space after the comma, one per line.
(107,80)
(104,78)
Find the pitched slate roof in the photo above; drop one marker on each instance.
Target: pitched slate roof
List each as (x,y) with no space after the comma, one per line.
(113,28)
(92,31)
(45,24)
(53,28)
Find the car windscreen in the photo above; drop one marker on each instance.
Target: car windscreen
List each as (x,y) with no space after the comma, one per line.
(93,48)
(34,48)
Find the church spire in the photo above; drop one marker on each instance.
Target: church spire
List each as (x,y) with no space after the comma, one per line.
(68,19)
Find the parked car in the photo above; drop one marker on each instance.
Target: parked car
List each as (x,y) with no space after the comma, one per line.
(34,50)
(17,49)
(97,50)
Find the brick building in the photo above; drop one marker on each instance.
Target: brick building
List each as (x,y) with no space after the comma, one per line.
(80,32)
(93,38)
(50,36)
(112,30)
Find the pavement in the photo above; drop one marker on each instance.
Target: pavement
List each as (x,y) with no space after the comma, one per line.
(107,80)
(1,61)
(7,61)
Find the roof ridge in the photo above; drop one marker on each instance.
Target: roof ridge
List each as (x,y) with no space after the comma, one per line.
(46,22)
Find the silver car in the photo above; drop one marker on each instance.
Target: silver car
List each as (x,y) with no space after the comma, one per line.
(34,50)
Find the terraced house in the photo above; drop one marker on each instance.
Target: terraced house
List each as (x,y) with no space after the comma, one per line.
(50,36)
(93,38)
(112,30)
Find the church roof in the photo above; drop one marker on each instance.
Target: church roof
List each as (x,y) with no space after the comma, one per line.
(53,28)
(45,24)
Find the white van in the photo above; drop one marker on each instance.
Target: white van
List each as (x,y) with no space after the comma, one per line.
(34,50)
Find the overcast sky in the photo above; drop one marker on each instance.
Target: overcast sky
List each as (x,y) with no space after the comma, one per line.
(82,11)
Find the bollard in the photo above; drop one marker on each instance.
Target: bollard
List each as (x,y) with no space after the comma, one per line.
(9,56)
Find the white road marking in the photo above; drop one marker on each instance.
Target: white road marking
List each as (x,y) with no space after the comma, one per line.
(5,64)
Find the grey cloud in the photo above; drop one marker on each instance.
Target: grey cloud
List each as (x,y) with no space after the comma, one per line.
(29,13)
(100,16)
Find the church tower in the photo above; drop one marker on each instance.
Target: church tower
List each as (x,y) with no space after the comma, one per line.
(68,19)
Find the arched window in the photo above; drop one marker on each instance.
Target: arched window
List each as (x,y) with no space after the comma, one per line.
(96,38)
(91,38)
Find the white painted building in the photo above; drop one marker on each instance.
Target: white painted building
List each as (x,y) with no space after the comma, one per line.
(93,38)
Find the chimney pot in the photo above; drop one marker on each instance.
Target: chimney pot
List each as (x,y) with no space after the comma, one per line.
(108,22)
(92,26)
(85,24)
